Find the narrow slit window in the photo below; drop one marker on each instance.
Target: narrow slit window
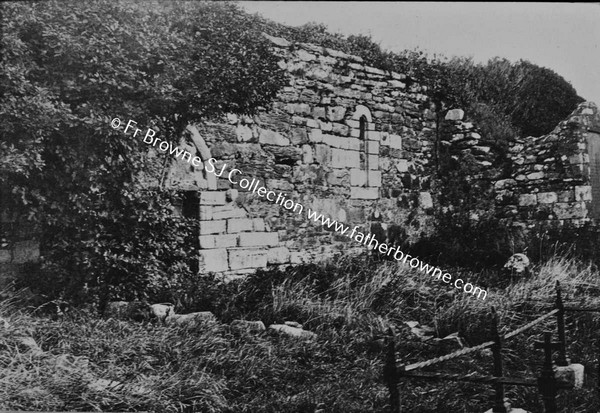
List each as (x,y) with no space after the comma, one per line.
(363,138)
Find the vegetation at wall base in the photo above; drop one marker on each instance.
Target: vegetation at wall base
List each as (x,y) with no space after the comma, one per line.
(77,361)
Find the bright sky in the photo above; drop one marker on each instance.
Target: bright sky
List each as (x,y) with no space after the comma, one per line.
(564,37)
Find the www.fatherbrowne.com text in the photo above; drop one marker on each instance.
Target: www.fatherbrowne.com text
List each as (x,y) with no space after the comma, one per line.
(252,185)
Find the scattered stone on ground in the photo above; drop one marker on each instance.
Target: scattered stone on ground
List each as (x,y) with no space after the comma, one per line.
(253,326)
(293,331)
(423,332)
(185,320)
(162,311)
(518,264)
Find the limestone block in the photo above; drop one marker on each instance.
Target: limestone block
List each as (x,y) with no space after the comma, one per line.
(212,197)
(572,374)
(255,239)
(569,210)
(535,175)
(279,255)
(394,141)
(358,177)
(373,161)
(527,199)
(325,126)
(239,225)
(396,84)
(258,224)
(364,193)
(374,135)
(583,193)
(341,158)
(243,133)
(547,197)
(269,137)
(282,184)
(340,129)
(298,108)
(240,258)
(319,113)
(217,241)
(374,71)
(566,196)
(372,147)
(353,123)
(323,154)
(425,200)
(402,165)
(504,184)
(336,113)
(338,177)
(455,114)
(304,55)
(227,211)
(315,135)
(213,260)
(189,320)
(298,136)
(307,154)
(212,227)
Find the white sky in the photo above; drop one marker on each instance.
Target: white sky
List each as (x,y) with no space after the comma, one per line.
(564,37)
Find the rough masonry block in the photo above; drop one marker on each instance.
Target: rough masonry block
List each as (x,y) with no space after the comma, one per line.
(527,199)
(583,193)
(547,197)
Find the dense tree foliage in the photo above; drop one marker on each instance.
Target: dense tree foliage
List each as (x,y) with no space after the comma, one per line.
(67,69)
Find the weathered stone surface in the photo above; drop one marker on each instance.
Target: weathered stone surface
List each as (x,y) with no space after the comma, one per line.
(241,258)
(336,113)
(269,137)
(547,197)
(583,193)
(293,331)
(212,227)
(239,225)
(212,198)
(217,241)
(278,255)
(245,325)
(254,239)
(213,260)
(455,114)
(341,158)
(527,199)
(364,193)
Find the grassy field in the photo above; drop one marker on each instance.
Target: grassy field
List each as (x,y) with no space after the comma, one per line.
(80,362)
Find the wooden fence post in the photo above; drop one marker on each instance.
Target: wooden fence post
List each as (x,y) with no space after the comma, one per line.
(547,382)
(499,406)
(390,373)
(562,359)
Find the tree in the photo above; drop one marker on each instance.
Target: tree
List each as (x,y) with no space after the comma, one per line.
(69,68)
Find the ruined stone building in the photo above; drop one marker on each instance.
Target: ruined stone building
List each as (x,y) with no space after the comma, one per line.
(358,145)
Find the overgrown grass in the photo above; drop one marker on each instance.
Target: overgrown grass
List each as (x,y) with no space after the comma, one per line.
(87,363)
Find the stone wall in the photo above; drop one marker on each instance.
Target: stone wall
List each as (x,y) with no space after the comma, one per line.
(350,141)
(551,180)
